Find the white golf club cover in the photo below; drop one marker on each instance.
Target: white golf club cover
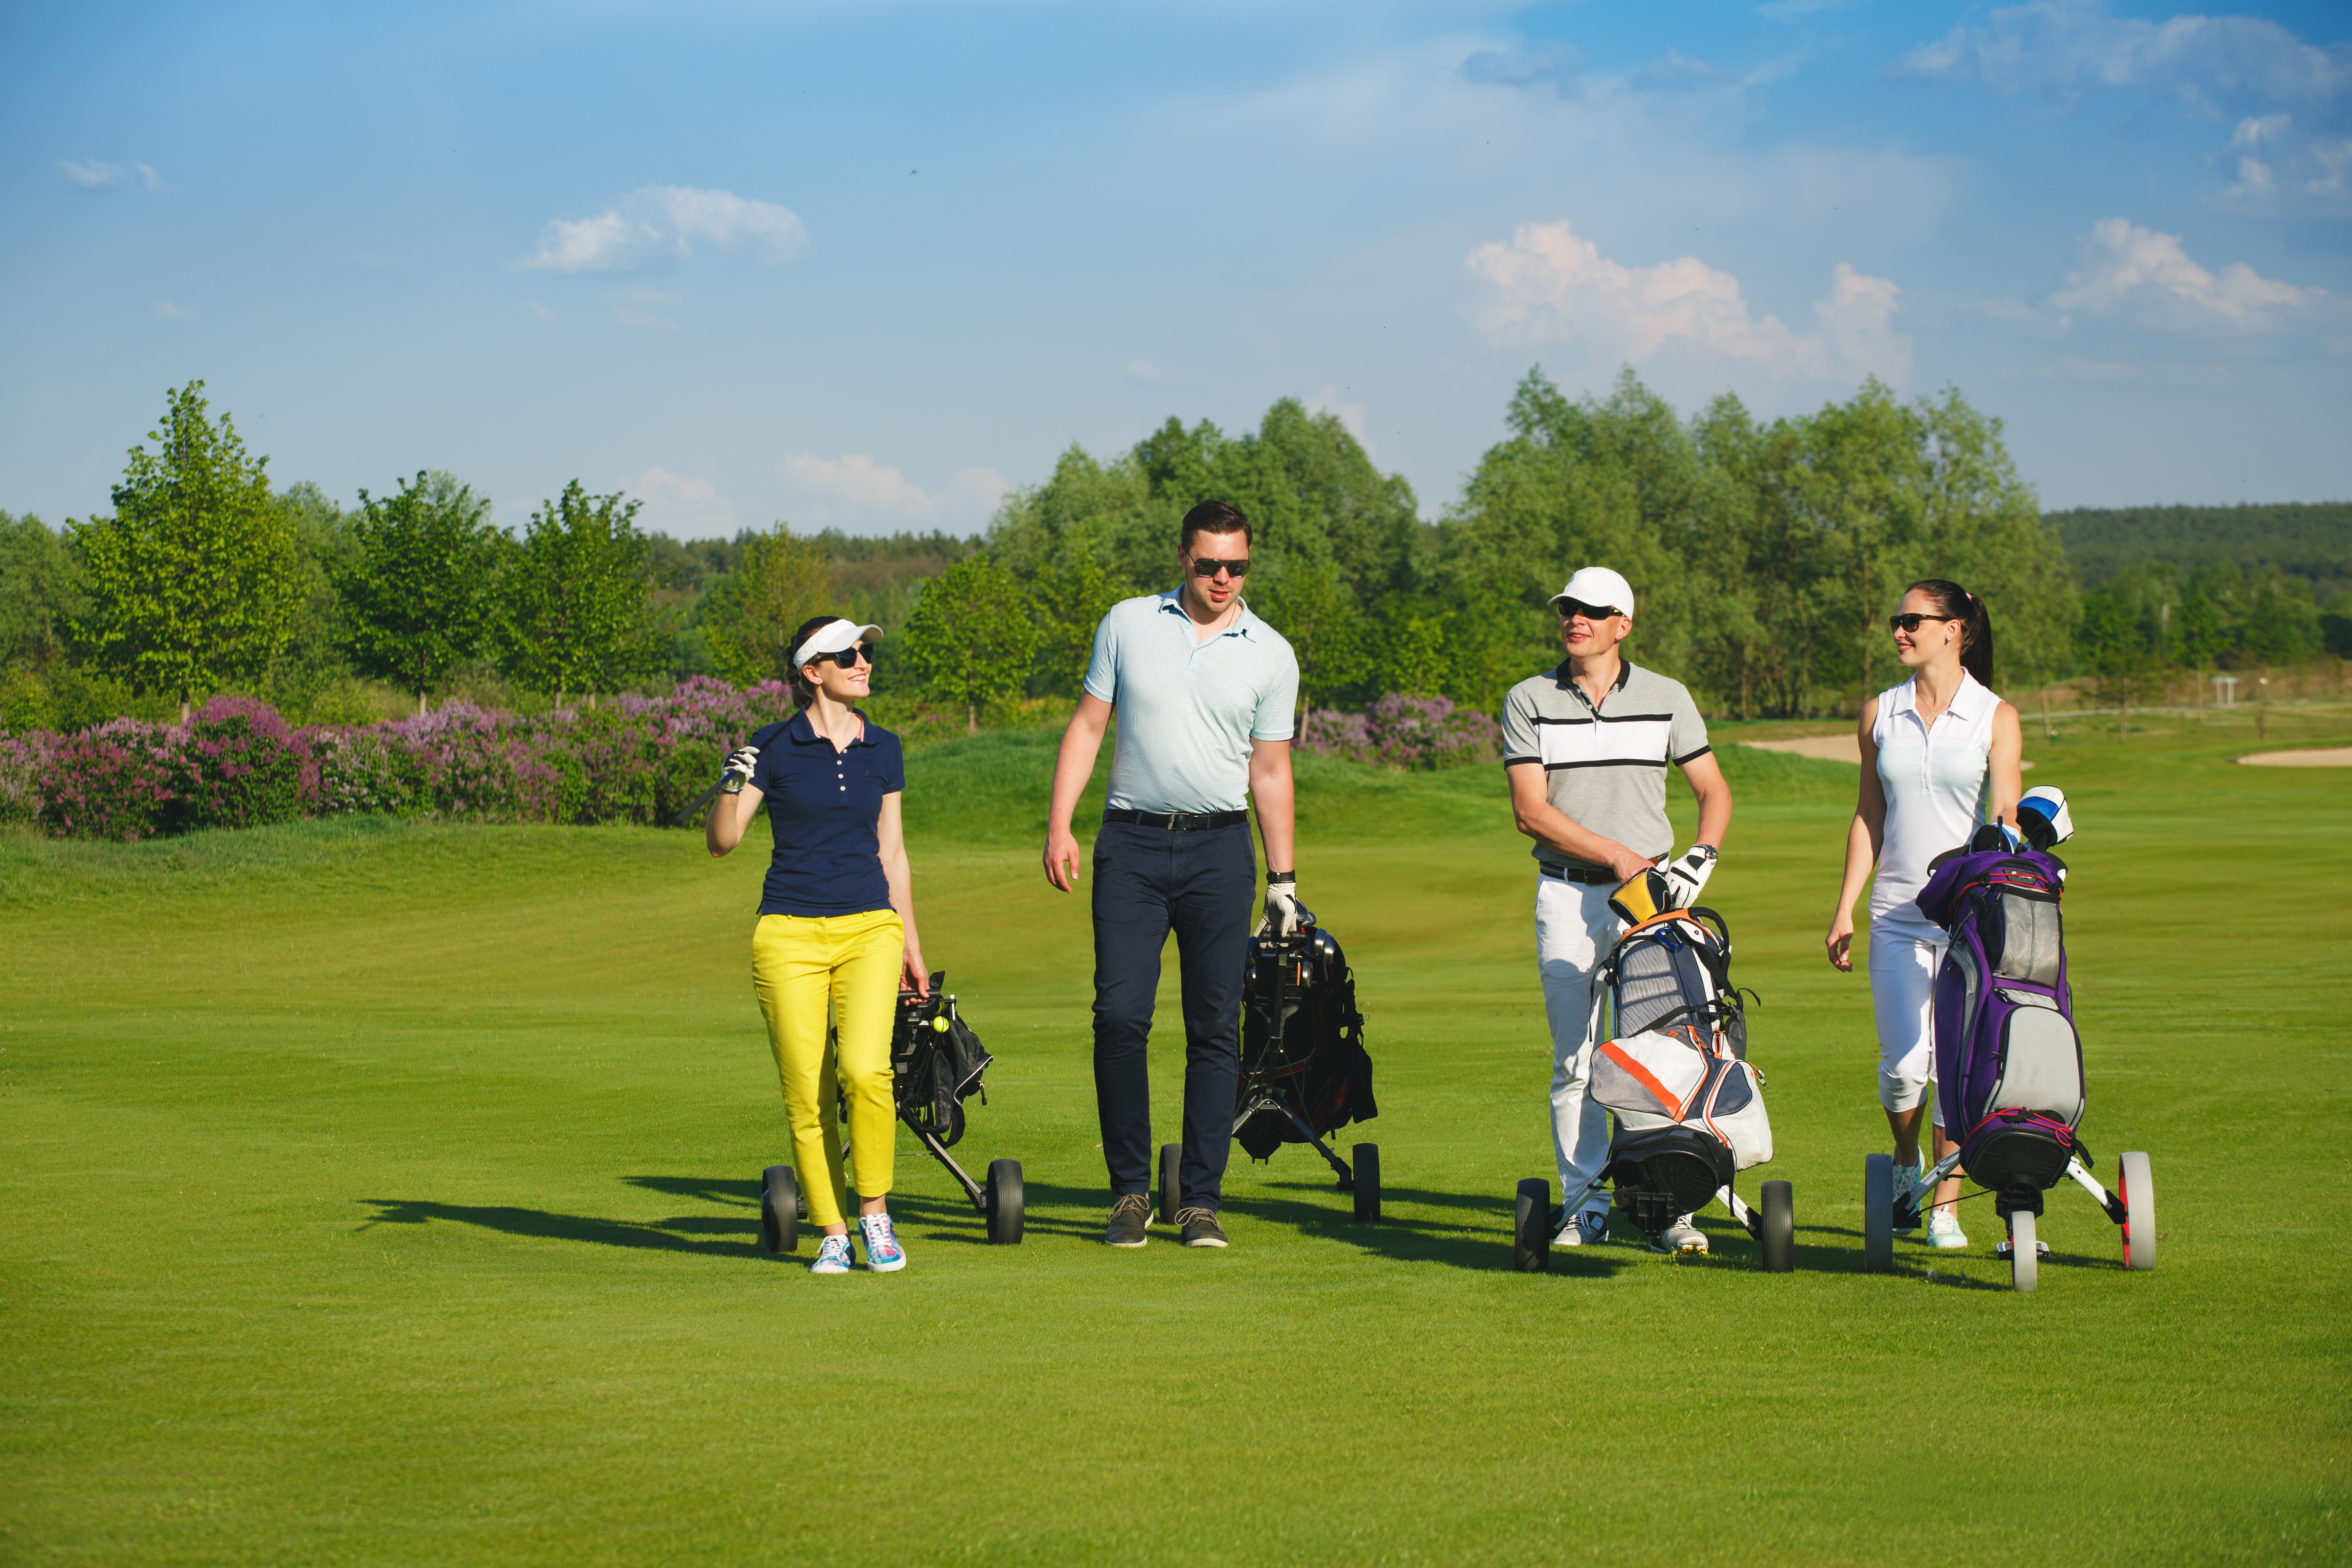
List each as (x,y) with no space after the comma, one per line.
(1687,876)
(2051,802)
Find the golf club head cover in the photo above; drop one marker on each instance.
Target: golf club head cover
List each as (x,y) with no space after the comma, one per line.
(1644,893)
(2042,817)
(1687,876)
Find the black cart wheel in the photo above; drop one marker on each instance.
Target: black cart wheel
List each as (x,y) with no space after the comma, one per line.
(1368,1182)
(1778,1228)
(1004,1194)
(779,1209)
(1531,1227)
(1878,1214)
(1171,1193)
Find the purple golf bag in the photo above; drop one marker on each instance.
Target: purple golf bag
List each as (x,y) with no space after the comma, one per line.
(2009,1065)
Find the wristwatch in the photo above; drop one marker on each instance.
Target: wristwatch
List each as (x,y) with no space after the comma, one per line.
(1706,849)
(1273,877)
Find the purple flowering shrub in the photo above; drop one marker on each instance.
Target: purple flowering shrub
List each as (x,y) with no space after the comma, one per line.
(1413,732)
(634,758)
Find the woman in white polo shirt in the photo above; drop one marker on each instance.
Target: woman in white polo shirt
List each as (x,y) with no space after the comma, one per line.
(1939,755)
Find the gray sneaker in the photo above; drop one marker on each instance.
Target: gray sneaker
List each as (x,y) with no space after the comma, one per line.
(1201,1227)
(1681,1236)
(1131,1221)
(1583,1228)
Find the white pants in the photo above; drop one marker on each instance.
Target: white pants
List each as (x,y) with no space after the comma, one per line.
(1575,929)
(1904,958)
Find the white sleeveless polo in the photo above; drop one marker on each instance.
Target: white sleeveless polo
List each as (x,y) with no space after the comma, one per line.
(1937,781)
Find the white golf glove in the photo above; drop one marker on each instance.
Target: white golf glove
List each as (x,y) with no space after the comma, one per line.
(1283,913)
(738,770)
(1687,876)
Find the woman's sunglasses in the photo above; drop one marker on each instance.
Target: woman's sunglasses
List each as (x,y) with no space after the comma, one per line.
(1204,567)
(849,658)
(1911,623)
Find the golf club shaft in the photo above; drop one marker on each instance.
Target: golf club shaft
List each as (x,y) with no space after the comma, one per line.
(700,801)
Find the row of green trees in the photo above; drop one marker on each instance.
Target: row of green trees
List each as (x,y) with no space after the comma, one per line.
(1766,555)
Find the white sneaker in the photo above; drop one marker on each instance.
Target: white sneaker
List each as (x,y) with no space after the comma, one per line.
(832,1258)
(1583,1228)
(1906,1178)
(1681,1236)
(1944,1231)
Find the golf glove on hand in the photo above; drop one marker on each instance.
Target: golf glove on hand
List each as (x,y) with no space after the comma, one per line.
(1284,914)
(737,771)
(1687,876)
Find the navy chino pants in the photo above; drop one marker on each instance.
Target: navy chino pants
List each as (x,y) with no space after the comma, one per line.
(1203,885)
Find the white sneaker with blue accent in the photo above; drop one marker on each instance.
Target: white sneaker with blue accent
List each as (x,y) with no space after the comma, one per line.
(883,1253)
(1583,1228)
(1944,1231)
(832,1256)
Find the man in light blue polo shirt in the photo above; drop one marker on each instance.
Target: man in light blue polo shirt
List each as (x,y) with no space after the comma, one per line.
(1205,692)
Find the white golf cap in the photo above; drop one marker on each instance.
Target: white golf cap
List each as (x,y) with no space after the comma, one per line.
(1598,585)
(833,637)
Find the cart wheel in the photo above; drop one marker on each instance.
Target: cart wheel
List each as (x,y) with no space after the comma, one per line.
(779,1209)
(2024,1257)
(1878,1214)
(1171,1190)
(2137,1188)
(1004,1194)
(1531,1227)
(1368,1182)
(1778,1228)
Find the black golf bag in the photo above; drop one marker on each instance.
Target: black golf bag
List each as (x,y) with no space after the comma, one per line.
(936,1063)
(1305,1073)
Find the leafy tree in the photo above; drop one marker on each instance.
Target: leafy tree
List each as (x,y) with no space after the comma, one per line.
(40,592)
(419,588)
(970,637)
(1071,600)
(783,580)
(576,612)
(1329,631)
(192,580)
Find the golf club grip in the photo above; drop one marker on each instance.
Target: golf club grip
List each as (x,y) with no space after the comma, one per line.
(700,801)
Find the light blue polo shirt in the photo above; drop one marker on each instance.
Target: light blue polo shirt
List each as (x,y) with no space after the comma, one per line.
(1188,710)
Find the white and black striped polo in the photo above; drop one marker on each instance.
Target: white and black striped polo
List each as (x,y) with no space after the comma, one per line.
(1604,767)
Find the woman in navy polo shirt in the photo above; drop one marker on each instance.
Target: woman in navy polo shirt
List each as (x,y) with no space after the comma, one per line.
(836,926)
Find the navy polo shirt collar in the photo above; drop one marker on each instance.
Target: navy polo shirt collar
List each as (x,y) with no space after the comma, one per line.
(801,733)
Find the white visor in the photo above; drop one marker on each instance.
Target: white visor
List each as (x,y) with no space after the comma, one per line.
(832,637)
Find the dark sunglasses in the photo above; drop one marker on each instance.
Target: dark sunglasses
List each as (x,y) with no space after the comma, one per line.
(1910,623)
(1203,567)
(1570,608)
(849,657)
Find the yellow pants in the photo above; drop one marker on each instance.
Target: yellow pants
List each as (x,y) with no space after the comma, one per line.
(799,965)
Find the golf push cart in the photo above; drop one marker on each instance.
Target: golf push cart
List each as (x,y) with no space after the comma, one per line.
(1304,1071)
(936,1063)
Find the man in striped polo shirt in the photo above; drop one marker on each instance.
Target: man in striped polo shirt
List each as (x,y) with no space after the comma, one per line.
(1586,747)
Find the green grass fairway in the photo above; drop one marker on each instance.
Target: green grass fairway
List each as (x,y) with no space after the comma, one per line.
(385,1194)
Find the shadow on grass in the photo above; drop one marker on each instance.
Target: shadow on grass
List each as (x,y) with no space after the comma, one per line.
(1329,1215)
(657,1235)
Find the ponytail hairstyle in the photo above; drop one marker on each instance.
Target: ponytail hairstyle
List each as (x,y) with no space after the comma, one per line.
(802,692)
(1957,603)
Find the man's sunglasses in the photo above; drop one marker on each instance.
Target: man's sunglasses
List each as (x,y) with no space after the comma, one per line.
(849,657)
(1204,567)
(1570,608)
(1910,623)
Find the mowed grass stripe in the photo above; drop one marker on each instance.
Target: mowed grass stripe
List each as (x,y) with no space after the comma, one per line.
(386,1193)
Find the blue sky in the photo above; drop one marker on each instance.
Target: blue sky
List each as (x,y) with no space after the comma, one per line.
(866,266)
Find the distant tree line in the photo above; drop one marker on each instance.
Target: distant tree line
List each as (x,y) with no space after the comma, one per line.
(1766,555)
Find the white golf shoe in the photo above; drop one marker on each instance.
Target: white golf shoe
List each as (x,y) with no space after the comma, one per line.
(1944,1232)
(1681,1236)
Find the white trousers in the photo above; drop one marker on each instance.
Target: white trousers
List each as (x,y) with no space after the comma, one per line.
(1904,958)
(1575,929)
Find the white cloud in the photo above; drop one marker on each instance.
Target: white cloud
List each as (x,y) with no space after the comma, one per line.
(683,507)
(1145,370)
(2148,278)
(1552,285)
(642,308)
(2291,100)
(658,224)
(1352,415)
(92,175)
(171,312)
(147,177)
(866,485)
(538,310)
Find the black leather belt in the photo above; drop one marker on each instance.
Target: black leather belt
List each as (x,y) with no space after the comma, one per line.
(1590,879)
(1178,821)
